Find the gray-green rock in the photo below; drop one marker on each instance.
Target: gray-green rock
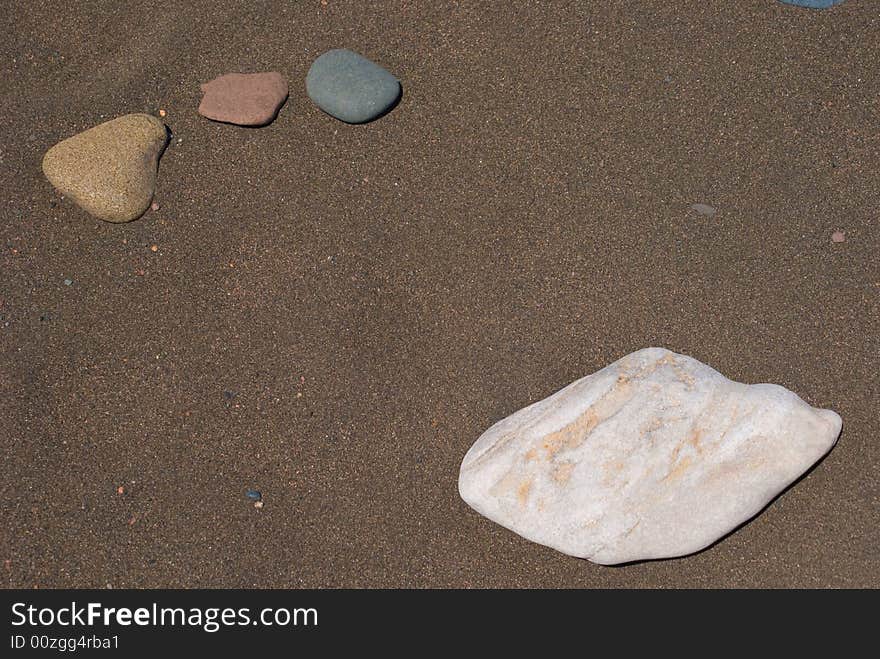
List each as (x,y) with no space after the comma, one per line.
(350,87)
(110,170)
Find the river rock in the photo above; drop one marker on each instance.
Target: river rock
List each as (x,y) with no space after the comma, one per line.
(110,170)
(246,99)
(350,87)
(656,455)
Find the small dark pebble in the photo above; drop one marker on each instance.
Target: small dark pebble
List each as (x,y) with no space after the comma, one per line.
(254,495)
(228,395)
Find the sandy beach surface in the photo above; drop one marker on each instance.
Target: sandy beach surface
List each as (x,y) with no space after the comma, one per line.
(333,314)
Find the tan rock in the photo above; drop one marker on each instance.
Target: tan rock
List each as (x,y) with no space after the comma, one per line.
(110,170)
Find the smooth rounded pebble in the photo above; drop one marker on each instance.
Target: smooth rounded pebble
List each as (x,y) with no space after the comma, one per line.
(657,455)
(245,99)
(350,87)
(110,170)
(813,4)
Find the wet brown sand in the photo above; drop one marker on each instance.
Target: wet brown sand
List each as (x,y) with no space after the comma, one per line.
(333,314)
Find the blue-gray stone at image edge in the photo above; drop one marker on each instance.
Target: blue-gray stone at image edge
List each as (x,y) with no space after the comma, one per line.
(350,87)
(813,4)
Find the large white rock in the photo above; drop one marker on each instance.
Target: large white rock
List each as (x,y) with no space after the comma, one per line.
(657,455)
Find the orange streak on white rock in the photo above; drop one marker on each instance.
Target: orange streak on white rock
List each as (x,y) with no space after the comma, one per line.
(657,455)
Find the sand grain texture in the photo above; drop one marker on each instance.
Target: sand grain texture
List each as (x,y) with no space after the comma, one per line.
(333,313)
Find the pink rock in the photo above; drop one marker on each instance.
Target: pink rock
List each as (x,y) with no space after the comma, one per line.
(246,99)
(838,237)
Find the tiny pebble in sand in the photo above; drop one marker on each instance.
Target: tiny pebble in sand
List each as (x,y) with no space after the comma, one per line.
(838,237)
(704,209)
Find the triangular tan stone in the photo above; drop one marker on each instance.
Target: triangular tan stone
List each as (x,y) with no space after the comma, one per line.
(110,170)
